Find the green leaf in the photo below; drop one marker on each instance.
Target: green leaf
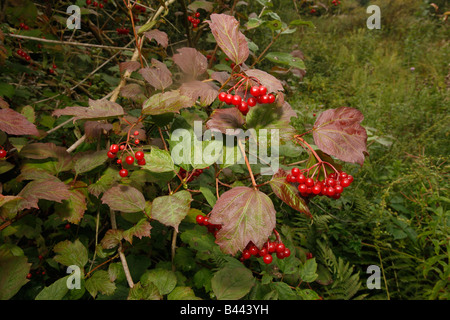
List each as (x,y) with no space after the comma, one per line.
(164,280)
(100,282)
(299,22)
(164,102)
(254,23)
(90,160)
(158,161)
(171,209)
(141,292)
(308,270)
(198,238)
(285,58)
(71,253)
(109,178)
(284,291)
(5,166)
(73,209)
(307,294)
(232,282)
(182,293)
(13,274)
(124,199)
(56,291)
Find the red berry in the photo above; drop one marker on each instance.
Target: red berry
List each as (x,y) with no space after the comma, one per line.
(246,254)
(243,107)
(54,66)
(338,189)
(309,182)
(236,100)
(2,153)
(51,71)
(330,191)
(271,98)
(111,155)
(291,178)
(301,178)
(114,148)
(136,141)
(343,175)
(139,155)
(29,275)
(331,182)
(122,147)
(194,25)
(271,247)
(251,102)
(286,252)
(262,90)
(40,257)
(254,91)
(141,162)
(302,188)
(345,183)
(350,178)
(264,99)
(280,247)
(263,252)
(222,96)
(119,161)
(88,2)
(197,14)
(295,172)
(228,98)
(200,218)
(280,255)
(317,189)
(267,258)
(253,250)
(95,3)
(136,133)
(205,221)
(129,160)
(123,173)
(67,226)
(100,5)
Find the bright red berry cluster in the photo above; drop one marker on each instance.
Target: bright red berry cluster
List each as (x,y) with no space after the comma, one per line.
(259,95)
(336,2)
(194,19)
(269,248)
(204,221)
(3,152)
(332,186)
(140,8)
(125,147)
(96,4)
(123,30)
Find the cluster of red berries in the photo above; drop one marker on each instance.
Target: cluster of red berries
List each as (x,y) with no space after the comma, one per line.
(332,186)
(24,26)
(204,221)
(266,251)
(3,152)
(123,30)
(336,2)
(259,95)
(130,159)
(194,19)
(96,4)
(183,173)
(140,8)
(23,54)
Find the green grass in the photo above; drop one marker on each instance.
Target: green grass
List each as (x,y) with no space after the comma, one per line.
(390,217)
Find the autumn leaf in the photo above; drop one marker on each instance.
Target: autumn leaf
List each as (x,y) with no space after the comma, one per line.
(338,133)
(124,198)
(98,109)
(228,121)
(15,123)
(191,61)
(245,215)
(158,76)
(225,29)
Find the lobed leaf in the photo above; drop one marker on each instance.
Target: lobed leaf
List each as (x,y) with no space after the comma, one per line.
(124,198)
(15,123)
(191,61)
(172,209)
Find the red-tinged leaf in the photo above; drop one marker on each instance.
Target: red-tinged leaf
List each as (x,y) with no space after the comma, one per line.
(139,230)
(51,190)
(245,215)
(132,91)
(205,92)
(3,103)
(288,193)
(338,133)
(40,151)
(228,121)
(170,101)
(98,109)
(270,82)
(86,161)
(160,37)
(73,209)
(129,66)
(112,238)
(93,129)
(225,29)
(191,61)
(171,209)
(35,174)
(124,198)
(220,76)
(158,76)
(15,123)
